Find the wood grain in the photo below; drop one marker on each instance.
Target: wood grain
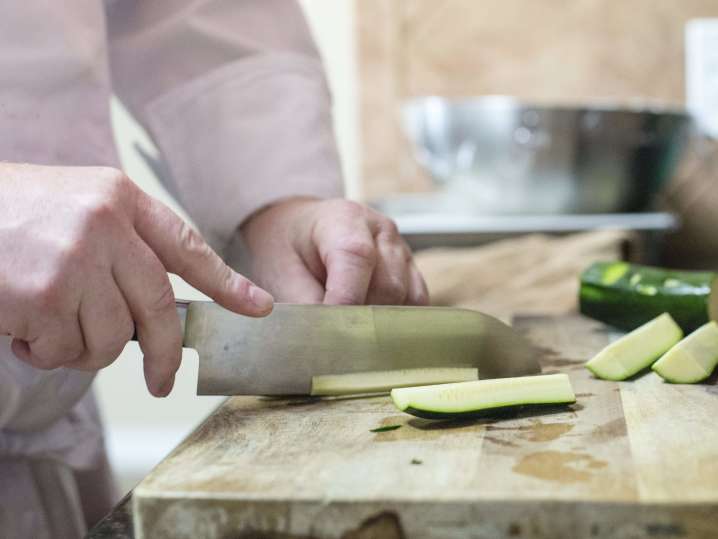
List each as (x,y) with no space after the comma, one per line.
(582,452)
(630,459)
(669,422)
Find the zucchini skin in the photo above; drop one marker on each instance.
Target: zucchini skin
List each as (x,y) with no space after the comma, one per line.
(488,412)
(627,295)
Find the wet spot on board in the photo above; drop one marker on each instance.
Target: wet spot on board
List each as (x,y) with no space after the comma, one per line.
(500,441)
(547,355)
(559,466)
(536,431)
(606,432)
(562,363)
(545,432)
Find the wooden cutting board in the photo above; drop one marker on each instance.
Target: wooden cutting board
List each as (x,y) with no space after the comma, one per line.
(631,459)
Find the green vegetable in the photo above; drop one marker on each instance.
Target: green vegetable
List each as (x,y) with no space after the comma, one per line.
(693,359)
(384,381)
(385,428)
(628,295)
(637,350)
(470,399)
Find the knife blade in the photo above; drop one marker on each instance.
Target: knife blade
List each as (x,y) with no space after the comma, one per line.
(281,353)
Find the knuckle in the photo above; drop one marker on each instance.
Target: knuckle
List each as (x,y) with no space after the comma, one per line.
(59,357)
(350,208)
(100,211)
(107,174)
(111,349)
(116,182)
(69,255)
(47,293)
(193,246)
(162,301)
(359,248)
(105,203)
(389,228)
(229,280)
(190,240)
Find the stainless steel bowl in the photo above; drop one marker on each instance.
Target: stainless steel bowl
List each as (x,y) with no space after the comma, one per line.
(502,156)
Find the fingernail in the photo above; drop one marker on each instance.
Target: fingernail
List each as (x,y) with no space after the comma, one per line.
(165,388)
(262,299)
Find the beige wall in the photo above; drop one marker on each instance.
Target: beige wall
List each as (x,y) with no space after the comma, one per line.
(141,429)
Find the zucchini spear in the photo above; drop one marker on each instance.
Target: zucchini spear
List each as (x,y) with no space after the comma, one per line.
(471,399)
(693,359)
(637,350)
(385,381)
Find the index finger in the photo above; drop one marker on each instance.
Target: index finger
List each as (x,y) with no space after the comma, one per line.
(184,252)
(349,256)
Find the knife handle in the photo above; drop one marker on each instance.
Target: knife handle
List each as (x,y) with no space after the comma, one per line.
(181,306)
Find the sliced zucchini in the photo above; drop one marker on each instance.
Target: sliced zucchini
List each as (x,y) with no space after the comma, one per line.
(629,295)
(468,399)
(385,381)
(692,359)
(636,350)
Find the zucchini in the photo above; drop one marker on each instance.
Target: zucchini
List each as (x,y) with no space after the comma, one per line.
(629,295)
(636,350)
(471,399)
(691,360)
(384,381)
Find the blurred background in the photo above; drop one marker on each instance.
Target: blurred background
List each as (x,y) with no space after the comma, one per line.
(506,138)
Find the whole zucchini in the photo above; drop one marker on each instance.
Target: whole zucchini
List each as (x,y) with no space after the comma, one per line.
(629,295)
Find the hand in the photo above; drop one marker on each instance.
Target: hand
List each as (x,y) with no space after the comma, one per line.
(333,252)
(85,255)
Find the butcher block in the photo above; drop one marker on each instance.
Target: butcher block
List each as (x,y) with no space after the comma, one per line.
(630,459)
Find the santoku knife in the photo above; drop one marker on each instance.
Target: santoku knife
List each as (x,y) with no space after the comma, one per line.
(282,352)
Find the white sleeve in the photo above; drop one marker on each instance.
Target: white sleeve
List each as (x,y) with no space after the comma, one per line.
(235,97)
